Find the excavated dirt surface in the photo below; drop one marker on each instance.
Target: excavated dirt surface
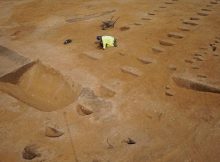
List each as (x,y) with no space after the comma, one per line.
(124,104)
(39,86)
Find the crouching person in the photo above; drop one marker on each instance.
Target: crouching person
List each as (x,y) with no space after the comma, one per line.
(107,41)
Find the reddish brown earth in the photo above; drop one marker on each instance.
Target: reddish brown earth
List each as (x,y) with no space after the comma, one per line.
(154,98)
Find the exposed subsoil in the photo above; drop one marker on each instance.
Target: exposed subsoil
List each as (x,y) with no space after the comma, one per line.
(154,98)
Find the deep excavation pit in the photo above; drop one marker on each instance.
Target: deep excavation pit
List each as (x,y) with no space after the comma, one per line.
(39,86)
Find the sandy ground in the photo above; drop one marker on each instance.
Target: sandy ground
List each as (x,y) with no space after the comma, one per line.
(159,88)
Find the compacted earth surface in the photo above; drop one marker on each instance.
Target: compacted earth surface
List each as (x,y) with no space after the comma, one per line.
(154,98)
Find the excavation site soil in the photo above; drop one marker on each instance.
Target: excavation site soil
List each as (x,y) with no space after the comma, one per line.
(153,98)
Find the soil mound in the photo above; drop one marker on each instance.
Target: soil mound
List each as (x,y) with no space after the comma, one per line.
(39,86)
